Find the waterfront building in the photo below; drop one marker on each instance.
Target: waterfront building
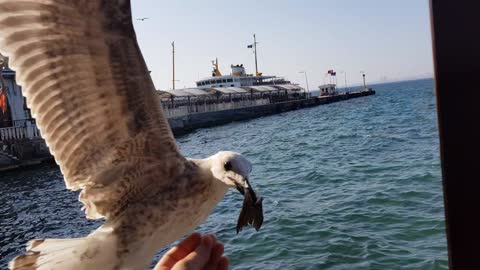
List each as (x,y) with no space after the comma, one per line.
(15,119)
(328,89)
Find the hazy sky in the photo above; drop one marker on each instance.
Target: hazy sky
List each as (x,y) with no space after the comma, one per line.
(389,40)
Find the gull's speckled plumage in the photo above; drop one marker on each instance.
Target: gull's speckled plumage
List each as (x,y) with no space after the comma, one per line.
(87,84)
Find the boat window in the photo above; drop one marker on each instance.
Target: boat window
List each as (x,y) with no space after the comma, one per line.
(224,80)
(232,85)
(230,80)
(219,81)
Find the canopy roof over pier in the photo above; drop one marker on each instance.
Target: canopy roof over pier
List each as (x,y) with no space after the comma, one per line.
(211,92)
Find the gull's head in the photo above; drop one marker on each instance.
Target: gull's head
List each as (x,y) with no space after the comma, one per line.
(233,170)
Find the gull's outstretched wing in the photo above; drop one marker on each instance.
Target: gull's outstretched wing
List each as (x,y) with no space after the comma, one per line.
(88,87)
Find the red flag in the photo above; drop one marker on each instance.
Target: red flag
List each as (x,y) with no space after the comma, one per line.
(330,71)
(3,94)
(3,101)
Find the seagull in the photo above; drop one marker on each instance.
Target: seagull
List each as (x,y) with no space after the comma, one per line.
(142,19)
(88,87)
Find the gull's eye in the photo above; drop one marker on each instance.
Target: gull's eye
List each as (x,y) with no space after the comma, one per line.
(227,166)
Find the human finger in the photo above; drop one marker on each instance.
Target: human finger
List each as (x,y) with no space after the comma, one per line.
(198,258)
(215,256)
(223,263)
(179,252)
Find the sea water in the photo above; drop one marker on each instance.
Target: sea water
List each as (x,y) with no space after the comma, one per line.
(348,185)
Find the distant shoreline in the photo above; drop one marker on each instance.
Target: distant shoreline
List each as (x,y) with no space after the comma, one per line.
(339,86)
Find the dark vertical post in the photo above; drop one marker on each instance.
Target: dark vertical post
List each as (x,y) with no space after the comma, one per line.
(255,45)
(346,89)
(456,51)
(173,64)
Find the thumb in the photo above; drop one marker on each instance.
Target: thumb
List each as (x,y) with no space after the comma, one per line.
(198,258)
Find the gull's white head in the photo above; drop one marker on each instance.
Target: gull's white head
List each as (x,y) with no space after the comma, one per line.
(233,170)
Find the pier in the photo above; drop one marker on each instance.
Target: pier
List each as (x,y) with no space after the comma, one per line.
(188,122)
(186,110)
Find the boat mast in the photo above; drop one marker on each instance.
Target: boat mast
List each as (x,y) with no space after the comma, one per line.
(173,64)
(255,50)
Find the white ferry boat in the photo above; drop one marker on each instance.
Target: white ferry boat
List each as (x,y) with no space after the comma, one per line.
(239,78)
(238,81)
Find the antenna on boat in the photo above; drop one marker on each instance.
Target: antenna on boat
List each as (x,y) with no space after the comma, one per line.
(254,46)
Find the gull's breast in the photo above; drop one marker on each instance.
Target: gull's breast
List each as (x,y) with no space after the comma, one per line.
(191,212)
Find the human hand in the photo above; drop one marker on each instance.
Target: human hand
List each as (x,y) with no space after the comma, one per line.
(196,252)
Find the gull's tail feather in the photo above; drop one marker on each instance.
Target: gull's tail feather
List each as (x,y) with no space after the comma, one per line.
(73,253)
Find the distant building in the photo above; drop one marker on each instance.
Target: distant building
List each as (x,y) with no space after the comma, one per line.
(16,122)
(13,109)
(327,89)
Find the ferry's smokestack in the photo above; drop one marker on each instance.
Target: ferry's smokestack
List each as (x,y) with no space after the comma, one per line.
(238,70)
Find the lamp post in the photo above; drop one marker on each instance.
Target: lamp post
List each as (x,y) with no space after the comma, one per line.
(364,84)
(306,81)
(173,64)
(345,73)
(173,86)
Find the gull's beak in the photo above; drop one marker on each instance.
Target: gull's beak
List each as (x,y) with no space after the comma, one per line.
(252,209)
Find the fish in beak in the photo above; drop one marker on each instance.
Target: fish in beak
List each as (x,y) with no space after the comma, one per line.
(252,209)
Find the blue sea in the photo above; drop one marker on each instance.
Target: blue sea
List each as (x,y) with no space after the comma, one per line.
(348,185)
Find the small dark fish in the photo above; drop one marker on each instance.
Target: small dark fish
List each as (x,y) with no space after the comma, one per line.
(252,209)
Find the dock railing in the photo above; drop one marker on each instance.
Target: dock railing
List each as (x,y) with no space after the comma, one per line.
(24,129)
(177,110)
(184,107)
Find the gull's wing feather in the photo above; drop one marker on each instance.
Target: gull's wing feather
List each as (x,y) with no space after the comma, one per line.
(88,87)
